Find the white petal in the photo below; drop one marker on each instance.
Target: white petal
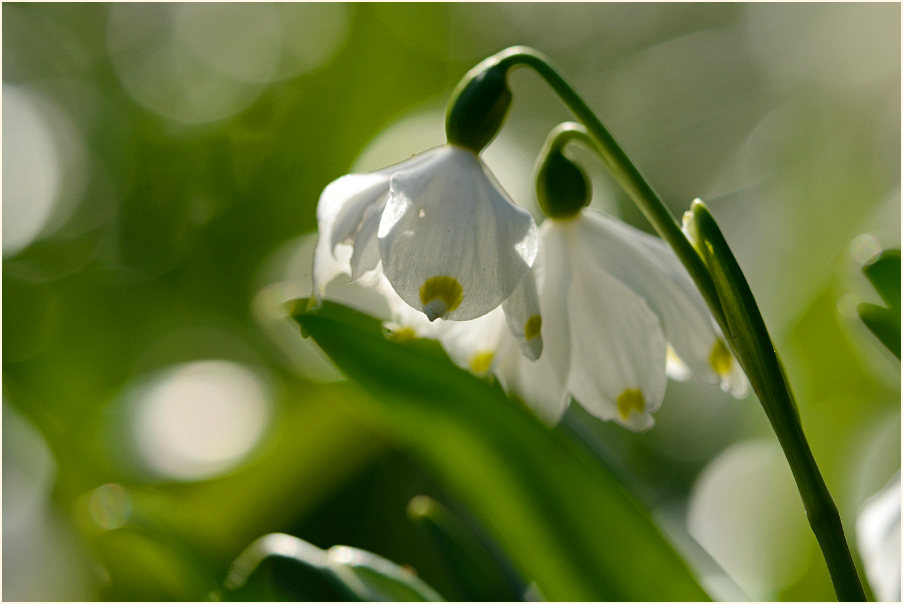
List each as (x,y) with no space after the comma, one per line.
(365,256)
(675,368)
(451,242)
(735,382)
(357,192)
(554,279)
(328,264)
(535,382)
(331,256)
(648,266)
(617,345)
(346,202)
(402,314)
(473,344)
(523,316)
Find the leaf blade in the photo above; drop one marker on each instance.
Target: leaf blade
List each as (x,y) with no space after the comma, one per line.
(563,520)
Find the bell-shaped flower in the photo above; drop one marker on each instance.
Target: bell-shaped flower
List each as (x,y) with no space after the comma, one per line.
(614,300)
(451,242)
(619,312)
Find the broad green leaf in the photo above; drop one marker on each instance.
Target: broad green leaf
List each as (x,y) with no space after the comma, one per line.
(564,521)
(480,575)
(288,568)
(884,274)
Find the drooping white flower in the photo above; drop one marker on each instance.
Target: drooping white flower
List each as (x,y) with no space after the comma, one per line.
(618,309)
(444,234)
(878,534)
(613,300)
(451,242)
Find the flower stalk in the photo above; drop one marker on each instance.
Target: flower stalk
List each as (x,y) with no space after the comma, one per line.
(717,275)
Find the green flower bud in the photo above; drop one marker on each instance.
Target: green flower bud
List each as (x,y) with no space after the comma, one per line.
(478,108)
(562,187)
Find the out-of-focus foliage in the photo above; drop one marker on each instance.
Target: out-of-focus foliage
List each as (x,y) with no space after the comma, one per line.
(481,572)
(162,164)
(563,519)
(283,567)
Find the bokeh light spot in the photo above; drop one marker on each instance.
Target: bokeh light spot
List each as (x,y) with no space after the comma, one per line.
(239,41)
(744,510)
(164,76)
(32,169)
(314,32)
(110,506)
(199,419)
(864,248)
(198,63)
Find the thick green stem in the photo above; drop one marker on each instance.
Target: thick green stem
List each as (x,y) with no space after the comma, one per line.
(729,298)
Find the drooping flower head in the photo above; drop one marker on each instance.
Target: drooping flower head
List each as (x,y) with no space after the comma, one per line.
(615,300)
(451,242)
(619,314)
(617,304)
(447,237)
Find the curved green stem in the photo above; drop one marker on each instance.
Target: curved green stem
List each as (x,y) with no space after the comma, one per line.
(566,132)
(642,194)
(715,271)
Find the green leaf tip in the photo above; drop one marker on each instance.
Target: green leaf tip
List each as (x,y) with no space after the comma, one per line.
(883,272)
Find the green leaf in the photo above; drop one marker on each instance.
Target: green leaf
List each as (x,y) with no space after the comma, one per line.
(564,521)
(283,567)
(754,349)
(882,322)
(480,574)
(884,273)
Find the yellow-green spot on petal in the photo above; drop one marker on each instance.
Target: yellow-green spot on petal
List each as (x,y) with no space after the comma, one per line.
(532,327)
(402,334)
(481,362)
(720,358)
(629,401)
(440,295)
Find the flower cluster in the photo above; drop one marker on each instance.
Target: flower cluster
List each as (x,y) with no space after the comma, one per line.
(444,241)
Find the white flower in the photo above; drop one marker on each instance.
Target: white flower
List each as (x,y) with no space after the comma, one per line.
(474,344)
(613,299)
(878,534)
(451,242)
(616,304)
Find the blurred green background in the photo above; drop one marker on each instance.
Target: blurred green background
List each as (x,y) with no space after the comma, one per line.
(162,164)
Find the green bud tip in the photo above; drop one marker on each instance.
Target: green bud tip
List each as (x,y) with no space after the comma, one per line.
(562,188)
(478,107)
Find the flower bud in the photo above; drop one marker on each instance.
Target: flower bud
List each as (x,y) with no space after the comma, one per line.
(562,188)
(478,108)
